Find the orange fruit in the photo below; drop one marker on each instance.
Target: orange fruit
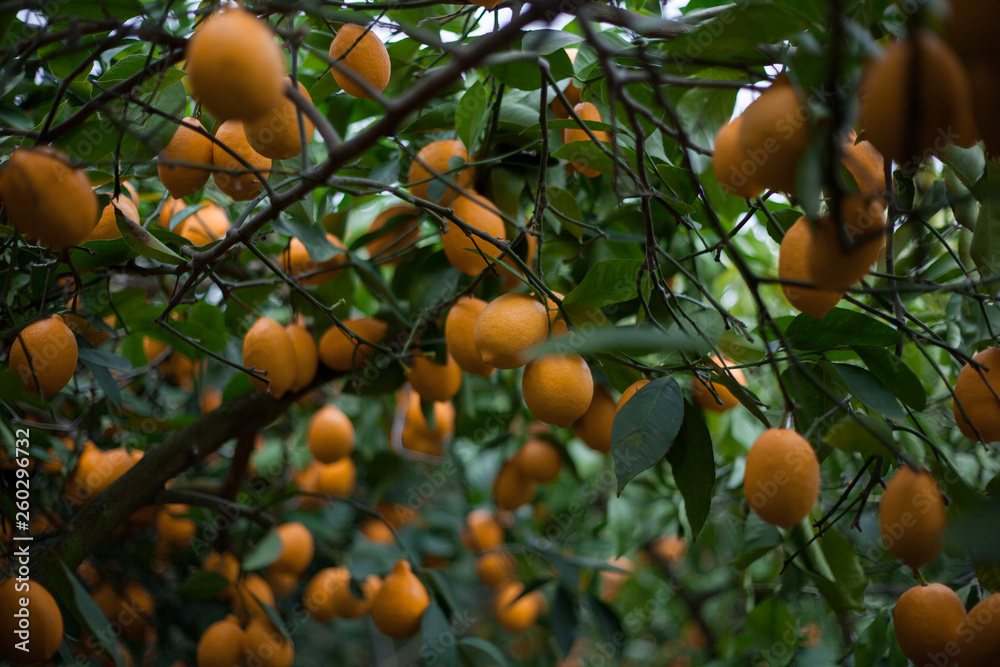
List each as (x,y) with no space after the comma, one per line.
(296,261)
(222,644)
(831,267)
(670,549)
(469,253)
(434,161)
(277,134)
(390,246)
(926,621)
(297,548)
(515,612)
(347,605)
(205,225)
(376,531)
(45,618)
(557,388)
(865,164)
(629,393)
(416,423)
(912,517)
(175,164)
(781,479)
(571,91)
(266,647)
(107,225)
(136,610)
(225,564)
(317,599)
(343,353)
(338,479)
(172,528)
(399,606)
(612,581)
(358,49)
(793,266)
(703,396)
(510,325)
(268,350)
(979,635)
(482,530)
(539,461)
(46,199)
(82,326)
(942,114)
(511,488)
(250,593)
(44,355)
(306,355)
(459,336)
(170,208)
(730,163)
(132,193)
(330,434)
(232,176)
(594,427)
(235,67)
(587,112)
(282,583)
(976,391)
(435,382)
(495,569)
(773,134)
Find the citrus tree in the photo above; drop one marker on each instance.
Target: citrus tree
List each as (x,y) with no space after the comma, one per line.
(407,333)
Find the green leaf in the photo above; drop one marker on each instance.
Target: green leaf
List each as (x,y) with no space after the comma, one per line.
(93,619)
(635,340)
(519,74)
(693,462)
(966,163)
(203,585)
(588,154)
(759,538)
(847,592)
(873,643)
(471,645)
(775,630)
(123,69)
(848,435)
(840,328)
(564,619)
(102,377)
(313,237)
(610,624)
(106,359)
(144,243)
(738,31)
(470,116)
(645,428)
(985,248)
(439,639)
(265,552)
(895,375)
(548,41)
(869,390)
(611,281)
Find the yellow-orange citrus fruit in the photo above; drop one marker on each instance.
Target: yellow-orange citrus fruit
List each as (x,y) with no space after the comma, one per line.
(418,435)
(266,647)
(433,162)
(482,530)
(515,612)
(107,225)
(277,134)
(587,112)
(774,132)
(136,611)
(391,245)
(236,179)
(296,260)
(511,488)
(571,91)
(539,461)
(282,583)
(173,528)
(435,382)
(831,267)
(330,434)
(926,620)
(458,334)
(268,350)
(132,193)
(594,427)
(175,164)
(977,391)
(250,593)
(225,564)
(358,49)
(912,517)
(557,388)
(317,598)
(979,635)
(376,531)
(612,581)
(207,224)
(45,618)
(865,164)
(222,644)
(781,479)
(898,128)
(495,569)
(46,199)
(347,605)
(343,353)
(45,350)
(703,396)
(670,549)
(234,66)
(209,399)
(297,548)
(511,324)
(170,208)
(399,606)
(338,479)
(306,355)
(470,253)
(793,266)
(82,326)
(629,393)
(730,163)
(397,514)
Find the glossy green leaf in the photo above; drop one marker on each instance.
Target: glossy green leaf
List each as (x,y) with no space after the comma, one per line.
(612,281)
(692,460)
(645,428)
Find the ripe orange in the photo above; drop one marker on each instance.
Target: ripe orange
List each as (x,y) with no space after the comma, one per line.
(318,595)
(511,488)
(306,355)
(343,353)
(594,427)
(225,564)
(107,225)
(670,549)
(399,606)
(46,199)
(539,461)
(611,581)
(482,530)
(376,531)
(703,396)
(234,66)
(358,49)
(81,326)
(268,350)
(237,180)
(793,266)
(390,247)
(434,161)
(45,351)
(831,267)
(189,146)
(926,621)
(511,324)
(296,261)
(942,115)
(587,112)
(277,134)
(205,225)
(250,593)
(347,605)
(169,208)
(135,612)
(730,163)
(515,612)
(557,388)
(338,479)
(435,382)
(297,548)
(865,164)
(979,635)
(470,253)
(174,530)
(459,336)
(417,434)
(222,644)
(266,647)
(46,621)
(330,434)
(629,393)
(977,395)
(571,91)
(495,569)
(781,479)
(912,517)
(774,132)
